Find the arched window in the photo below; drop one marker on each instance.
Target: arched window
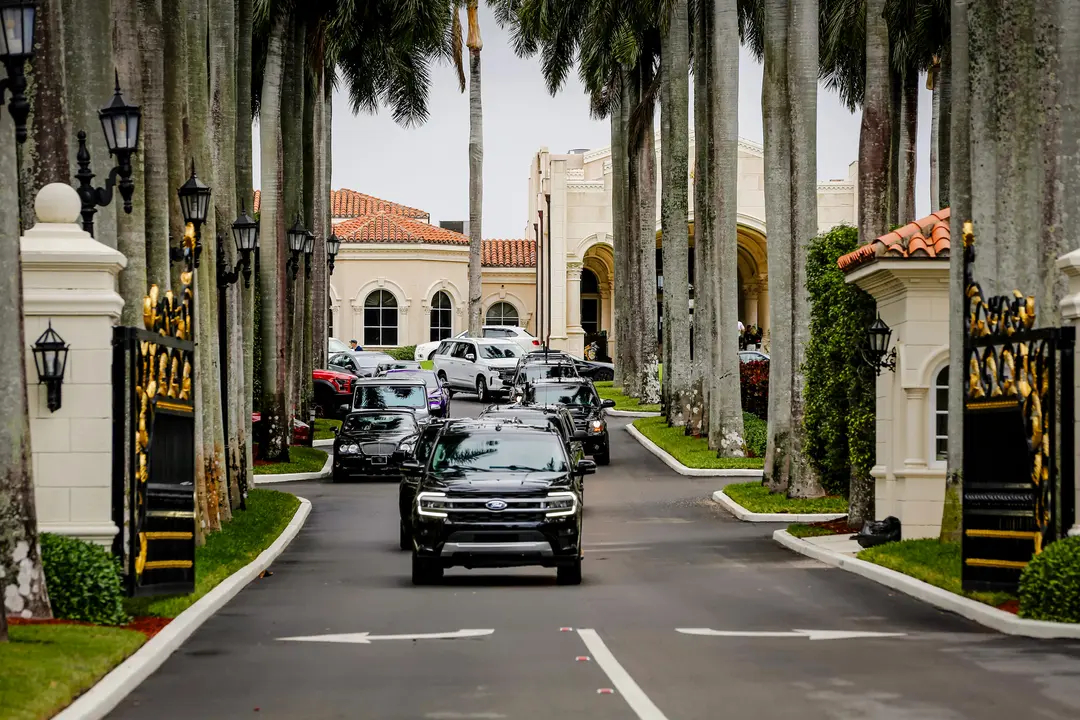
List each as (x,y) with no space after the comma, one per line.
(940,417)
(380,319)
(442,311)
(502,313)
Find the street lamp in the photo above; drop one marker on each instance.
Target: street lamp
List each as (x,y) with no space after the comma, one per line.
(246,236)
(333,244)
(877,354)
(16,47)
(298,238)
(50,356)
(121,124)
(195,206)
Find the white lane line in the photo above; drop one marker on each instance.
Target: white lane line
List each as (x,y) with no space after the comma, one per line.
(635,697)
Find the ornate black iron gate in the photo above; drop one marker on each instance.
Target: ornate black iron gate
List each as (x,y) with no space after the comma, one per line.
(154,445)
(1018,434)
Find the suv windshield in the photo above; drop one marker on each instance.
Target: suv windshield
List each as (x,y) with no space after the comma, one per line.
(428,376)
(378,397)
(497,352)
(577,395)
(373,360)
(390,422)
(494,451)
(545,372)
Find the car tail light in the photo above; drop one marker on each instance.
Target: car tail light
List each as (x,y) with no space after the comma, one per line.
(536,342)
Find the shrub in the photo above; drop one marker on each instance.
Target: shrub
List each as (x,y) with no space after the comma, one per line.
(402,353)
(755,434)
(839,394)
(754,388)
(1050,584)
(83,580)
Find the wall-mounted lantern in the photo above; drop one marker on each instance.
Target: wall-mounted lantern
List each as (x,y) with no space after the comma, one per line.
(298,240)
(16,47)
(333,244)
(195,207)
(877,353)
(50,357)
(246,236)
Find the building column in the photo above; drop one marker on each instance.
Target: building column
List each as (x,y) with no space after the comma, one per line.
(915,455)
(763,308)
(575,335)
(1070,313)
(750,303)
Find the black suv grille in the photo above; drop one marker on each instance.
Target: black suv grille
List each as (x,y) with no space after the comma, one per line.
(476,510)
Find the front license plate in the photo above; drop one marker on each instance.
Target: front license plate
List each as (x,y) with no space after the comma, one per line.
(378,460)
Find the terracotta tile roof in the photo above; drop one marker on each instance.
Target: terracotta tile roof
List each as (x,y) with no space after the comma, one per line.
(390,227)
(925,238)
(351,204)
(508,253)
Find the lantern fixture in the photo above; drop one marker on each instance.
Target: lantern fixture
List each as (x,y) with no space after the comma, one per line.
(309,243)
(120,123)
(195,206)
(333,244)
(298,239)
(50,357)
(16,47)
(246,236)
(877,353)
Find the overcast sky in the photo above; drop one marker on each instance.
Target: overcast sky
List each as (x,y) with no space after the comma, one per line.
(428,167)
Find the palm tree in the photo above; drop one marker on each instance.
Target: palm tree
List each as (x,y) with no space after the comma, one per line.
(476,168)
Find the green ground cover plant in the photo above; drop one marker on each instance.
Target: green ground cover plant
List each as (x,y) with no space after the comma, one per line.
(691,451)
(755,497)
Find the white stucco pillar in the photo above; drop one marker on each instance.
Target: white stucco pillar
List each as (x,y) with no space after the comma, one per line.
(69,281)
(575,335)
(1070,313)
(763,309)
(915,438)
(750,304)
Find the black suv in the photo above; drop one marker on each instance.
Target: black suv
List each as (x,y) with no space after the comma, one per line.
(585,406)
(549,369)
(497,494)
(367,444)
(543,416)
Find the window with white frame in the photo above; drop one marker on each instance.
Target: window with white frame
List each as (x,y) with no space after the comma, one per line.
(940,419)
(442,311)
(502,313)
(380,319)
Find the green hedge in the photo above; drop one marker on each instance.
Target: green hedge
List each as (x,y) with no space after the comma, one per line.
(839,419)
(402,353)
(1050,584)
(83,581)
(755,435)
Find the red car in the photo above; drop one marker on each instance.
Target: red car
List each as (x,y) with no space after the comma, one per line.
(332,390)
(301,434)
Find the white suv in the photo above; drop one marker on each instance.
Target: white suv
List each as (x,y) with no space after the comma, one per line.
(469,365)
(521,336)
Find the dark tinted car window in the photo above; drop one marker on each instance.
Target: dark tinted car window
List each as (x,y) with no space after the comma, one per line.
(547,372)
(390,422)
(426,442)
(579,395)
(460,349)
(431,380)
(494,451)
(378,397)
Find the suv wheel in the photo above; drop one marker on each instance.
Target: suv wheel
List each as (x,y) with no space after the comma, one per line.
(425,571)
(444,381)
(570,574)
(405,536)
(603,458)
(482,389)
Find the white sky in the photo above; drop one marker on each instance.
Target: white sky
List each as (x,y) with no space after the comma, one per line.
(427,167)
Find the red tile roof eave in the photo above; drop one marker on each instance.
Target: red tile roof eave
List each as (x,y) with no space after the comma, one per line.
(847,270)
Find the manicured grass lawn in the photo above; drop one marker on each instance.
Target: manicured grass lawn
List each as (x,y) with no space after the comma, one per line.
(690,451)
(301,460)
(240,541)
(622,402)
(756,498)
(324,428)
(46,666)
(931,561)
(804,530)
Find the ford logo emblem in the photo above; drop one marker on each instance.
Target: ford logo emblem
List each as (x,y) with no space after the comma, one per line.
(495,505)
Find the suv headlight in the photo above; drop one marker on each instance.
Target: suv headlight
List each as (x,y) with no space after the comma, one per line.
(560,504)
(348,449)
(431,504)
(596,426)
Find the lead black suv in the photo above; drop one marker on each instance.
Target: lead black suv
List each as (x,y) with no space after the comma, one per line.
(367,444)
(586,408)
(497,494)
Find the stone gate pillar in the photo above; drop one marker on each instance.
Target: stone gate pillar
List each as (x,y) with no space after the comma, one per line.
(1070,313)
(69,280)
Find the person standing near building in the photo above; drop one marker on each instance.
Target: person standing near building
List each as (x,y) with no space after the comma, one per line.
(353,343)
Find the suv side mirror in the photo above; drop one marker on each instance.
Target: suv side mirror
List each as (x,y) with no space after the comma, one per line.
(586,467)
(344,409)
(411,466)
(470,357)
(608,403)
(581,435)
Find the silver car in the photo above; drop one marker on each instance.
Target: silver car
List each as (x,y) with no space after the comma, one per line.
(386,393)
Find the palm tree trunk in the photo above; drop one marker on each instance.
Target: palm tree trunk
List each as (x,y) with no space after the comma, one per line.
(725,404)
(896,90)
(909,128)
(943,122)
(875,135)
(645,158)
(245,198)
(131,227)
(619,243)
(22,580)
(177,127)
(274,441)
(222,127)
(933,83)
(703,321)
(304,312)
(153,147)
(317,348)
(675,147)
(476,169)
(665,227)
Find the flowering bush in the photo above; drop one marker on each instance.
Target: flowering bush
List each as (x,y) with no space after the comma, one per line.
(754,386)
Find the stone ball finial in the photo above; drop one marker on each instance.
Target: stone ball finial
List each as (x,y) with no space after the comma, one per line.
(57,203)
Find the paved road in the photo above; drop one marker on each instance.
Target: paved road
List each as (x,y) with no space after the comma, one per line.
(659,556)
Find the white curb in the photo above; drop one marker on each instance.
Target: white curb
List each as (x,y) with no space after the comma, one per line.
(328,442)
(630,413)
(745,515)
(325,472)
(682,469)
(1003,622)
(102,698)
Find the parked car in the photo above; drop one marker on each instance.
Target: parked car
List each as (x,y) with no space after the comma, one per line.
(301,434)
(752,356)
(367,443)
(438,393)
(474,365)
(585,406)
(521,336)
(360,363)
(333,389)
(497,494)
(388,393)
(333,346)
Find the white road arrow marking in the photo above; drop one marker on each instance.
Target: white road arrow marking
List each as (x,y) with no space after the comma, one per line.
(367,638)
(808,634)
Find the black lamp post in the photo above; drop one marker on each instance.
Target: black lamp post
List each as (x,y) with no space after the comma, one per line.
(877,353)
(16,47)
(195,206)
(309,250)
(246,236)
(298,239)
(50,356)
(121,124)
(333,244)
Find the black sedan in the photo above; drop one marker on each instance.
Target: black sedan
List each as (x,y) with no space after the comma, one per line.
(367,443)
